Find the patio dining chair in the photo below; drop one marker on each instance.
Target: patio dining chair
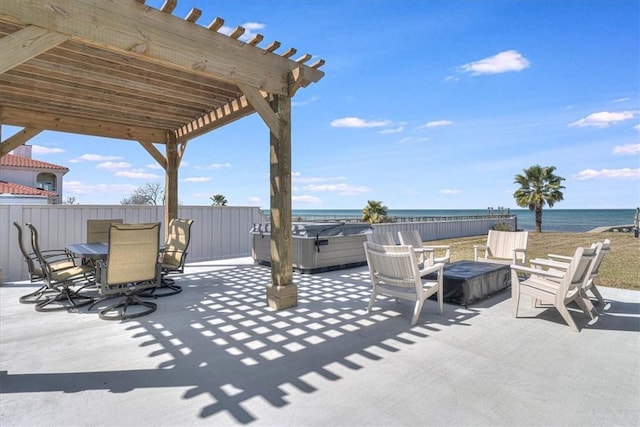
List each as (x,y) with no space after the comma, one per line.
(426,254)
(394,272)
(58,260)
(98,229)
(131,267)
(63,285)
(173,257)
(557,285)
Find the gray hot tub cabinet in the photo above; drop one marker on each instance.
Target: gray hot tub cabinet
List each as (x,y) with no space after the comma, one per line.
(316,246)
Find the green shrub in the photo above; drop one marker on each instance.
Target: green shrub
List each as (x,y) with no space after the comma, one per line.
(501,226)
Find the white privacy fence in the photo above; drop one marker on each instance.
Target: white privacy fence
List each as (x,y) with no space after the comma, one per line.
(216,233)
(446,229)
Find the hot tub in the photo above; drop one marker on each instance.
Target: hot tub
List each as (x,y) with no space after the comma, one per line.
(316,246)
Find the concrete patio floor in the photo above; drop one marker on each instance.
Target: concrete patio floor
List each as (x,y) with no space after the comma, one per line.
(216,355)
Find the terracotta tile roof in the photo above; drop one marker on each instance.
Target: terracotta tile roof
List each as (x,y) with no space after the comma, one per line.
(25,162)
(23,190)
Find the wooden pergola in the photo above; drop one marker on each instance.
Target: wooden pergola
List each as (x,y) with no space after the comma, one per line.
(121,69)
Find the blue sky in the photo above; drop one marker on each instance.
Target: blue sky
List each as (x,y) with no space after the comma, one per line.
(424,105)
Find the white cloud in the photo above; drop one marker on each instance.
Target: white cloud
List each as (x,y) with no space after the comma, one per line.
(113,165)
(509,60)
(94,158)
(39,149)
(637,127)
(77,187)
(608,173)
(197,179)
(450,191)
(215,166)
(627,149)
(255,200)
(391,130)
(622,100)
(355,122)
(304,102)
(451,79)
(412,139)
(604,119)
(437,123)
(343,189)
(137,174)
(306,199)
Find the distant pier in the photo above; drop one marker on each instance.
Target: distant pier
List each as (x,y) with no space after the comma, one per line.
(629,228)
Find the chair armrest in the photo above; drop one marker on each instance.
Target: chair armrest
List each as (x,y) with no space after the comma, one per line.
(432,269)
(549,263)
(555,257)
(476,249)
(536,271)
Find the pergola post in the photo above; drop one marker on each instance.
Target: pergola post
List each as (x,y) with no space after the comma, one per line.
(171,181)
(282,292)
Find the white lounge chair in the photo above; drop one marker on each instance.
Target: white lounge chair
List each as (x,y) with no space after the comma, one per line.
(590,285)
(426,254)
(503,247)
(394,272)
(556,285)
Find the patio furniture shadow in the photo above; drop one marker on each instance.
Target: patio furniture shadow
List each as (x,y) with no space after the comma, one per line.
(219,339)
(614,316)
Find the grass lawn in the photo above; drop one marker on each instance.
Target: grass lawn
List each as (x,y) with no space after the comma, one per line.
(620,267)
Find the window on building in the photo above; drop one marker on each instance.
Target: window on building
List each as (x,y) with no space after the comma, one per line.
(46,181)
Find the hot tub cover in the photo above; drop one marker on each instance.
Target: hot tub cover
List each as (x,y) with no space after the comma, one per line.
(317,229)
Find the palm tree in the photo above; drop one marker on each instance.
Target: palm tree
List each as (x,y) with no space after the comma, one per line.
(374,212)
(539,186)
(218,200)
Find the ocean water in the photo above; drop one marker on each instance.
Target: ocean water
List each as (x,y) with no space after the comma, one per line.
(567,220)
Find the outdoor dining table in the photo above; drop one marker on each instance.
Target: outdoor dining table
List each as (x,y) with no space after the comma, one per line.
(89,250)
(94,251)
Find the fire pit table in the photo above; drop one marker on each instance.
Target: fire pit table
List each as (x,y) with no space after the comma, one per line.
(467,282)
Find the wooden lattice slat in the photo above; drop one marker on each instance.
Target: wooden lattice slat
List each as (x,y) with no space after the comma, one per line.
(216,24)
(193,15)
(169,5)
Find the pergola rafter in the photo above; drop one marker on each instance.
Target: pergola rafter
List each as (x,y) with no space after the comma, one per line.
(125,70)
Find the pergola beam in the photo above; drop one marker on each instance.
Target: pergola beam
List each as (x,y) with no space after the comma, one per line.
(70,124)
(160,38)
(18,139)
(262,107)
(25,44)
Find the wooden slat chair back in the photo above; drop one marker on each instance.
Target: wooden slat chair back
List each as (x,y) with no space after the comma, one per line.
(555,285)
(98,229)
(590,284)
(383,238)
(426,255)
(394,272)
(503,247)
